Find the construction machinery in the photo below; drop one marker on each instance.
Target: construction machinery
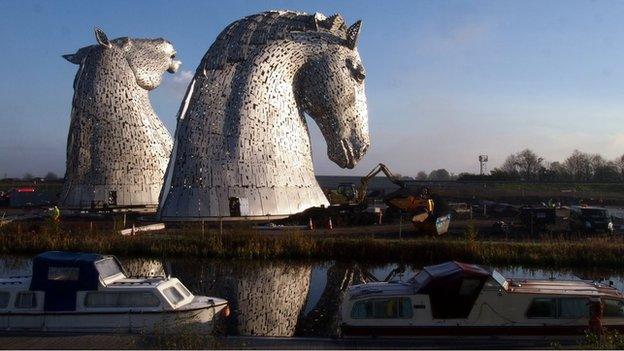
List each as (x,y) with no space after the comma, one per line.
(354,205)
(428,212)
(344,195)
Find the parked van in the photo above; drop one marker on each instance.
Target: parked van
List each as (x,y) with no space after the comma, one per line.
(589,219)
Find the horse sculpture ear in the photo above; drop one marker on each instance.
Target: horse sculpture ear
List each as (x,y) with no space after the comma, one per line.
(101,38)
(334,22)
(353,33)
(73,58)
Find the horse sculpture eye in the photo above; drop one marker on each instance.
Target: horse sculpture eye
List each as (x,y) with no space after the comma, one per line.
(359,76)
(356,70)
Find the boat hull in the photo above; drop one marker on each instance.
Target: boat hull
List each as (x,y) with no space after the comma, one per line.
(201,319)
(356,331)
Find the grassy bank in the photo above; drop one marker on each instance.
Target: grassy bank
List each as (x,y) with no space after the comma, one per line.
(249,244)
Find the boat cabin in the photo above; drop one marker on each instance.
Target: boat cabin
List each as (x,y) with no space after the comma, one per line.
(60,275)
(453,287)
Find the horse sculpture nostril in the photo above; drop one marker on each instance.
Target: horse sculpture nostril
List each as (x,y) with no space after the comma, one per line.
(174,66)
(363,152)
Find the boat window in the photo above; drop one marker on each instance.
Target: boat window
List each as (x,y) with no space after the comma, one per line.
(4,299)
(26,300)
(595,213)
(63,273)
(108,267)
(121,299)
(405,308)
(469,286)
(542,308)
(500,279)
(183,290)
(173,295)
(421,278)
(573,307)
(613,308)
(383,308)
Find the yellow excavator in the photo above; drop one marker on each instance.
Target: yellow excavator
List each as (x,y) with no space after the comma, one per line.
(428,212)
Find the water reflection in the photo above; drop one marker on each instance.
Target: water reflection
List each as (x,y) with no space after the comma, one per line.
(288,298)
(266,298)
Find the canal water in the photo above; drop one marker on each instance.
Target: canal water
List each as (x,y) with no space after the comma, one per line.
(288,298)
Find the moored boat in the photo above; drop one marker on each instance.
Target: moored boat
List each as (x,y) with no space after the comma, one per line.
(456,298)
(82,292)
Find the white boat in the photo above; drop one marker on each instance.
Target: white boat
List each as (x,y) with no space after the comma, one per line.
(80,292)
(463,299)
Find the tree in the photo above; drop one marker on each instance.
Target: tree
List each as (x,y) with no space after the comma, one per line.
(51,176)
(619,163)
(607,172)
(439,174)
(529,163)
(524,163)
(421,176)
(579,165)
(557,171)
(27,177)
(509,167)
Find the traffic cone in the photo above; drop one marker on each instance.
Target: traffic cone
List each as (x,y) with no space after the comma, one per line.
(311,225)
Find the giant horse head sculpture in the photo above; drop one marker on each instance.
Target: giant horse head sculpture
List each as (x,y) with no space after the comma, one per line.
(242,146)
(117,148)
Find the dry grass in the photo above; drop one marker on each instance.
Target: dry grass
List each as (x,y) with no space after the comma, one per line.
(246,243)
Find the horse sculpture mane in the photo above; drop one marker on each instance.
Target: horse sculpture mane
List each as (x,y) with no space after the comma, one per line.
(117,147)
(242,146)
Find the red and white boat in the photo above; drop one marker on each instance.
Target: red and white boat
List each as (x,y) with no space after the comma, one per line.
(456,298)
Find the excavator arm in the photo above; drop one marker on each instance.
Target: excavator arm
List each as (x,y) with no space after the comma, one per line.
(361,194)
(418,203)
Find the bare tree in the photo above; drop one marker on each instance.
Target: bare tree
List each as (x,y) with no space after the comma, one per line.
(440,174)
(619,163)
(51,176)
(524,163)
(529,163)
(510,166)
(579,165)
(559,171)
(606,172)
(27,177)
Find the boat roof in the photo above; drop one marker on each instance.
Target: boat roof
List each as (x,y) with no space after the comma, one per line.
(588,208)
(381,288)
(447,277)
(452,268)
(137,282)
(564,287)
(53,257)
(73,270)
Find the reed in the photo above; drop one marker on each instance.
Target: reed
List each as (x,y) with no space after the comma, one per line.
(245,243)
(608,340)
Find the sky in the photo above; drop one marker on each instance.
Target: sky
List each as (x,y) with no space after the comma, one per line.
(446,80)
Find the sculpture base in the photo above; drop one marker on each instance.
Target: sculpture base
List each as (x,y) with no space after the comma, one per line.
(223,219)
(244,203)
(106,197)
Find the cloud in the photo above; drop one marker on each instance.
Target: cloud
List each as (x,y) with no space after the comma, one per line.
(174,86)
(460,37)
(184,77)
